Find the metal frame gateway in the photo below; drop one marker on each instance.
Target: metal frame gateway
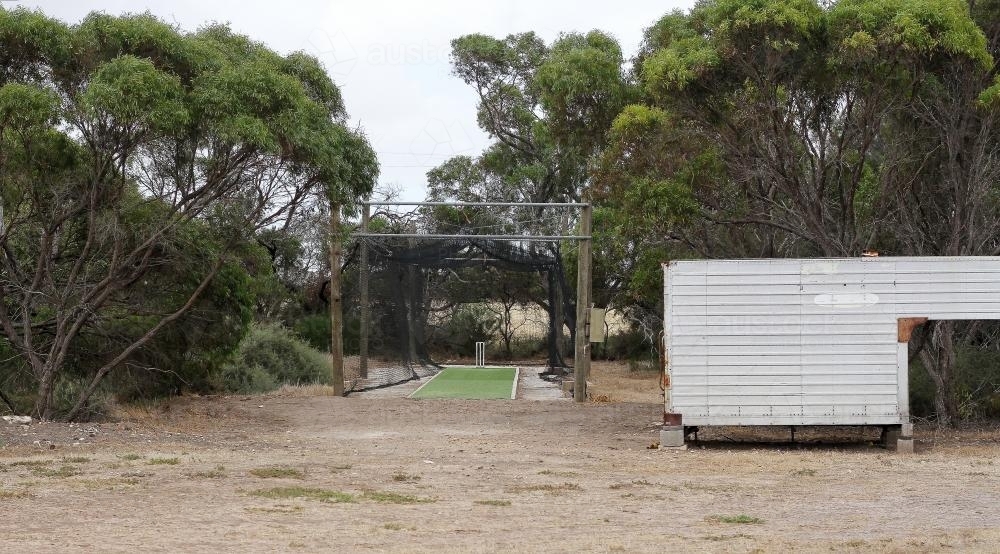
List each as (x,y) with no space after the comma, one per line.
(807,341)
(584,273)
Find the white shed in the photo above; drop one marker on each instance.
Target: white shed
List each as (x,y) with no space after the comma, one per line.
(807,341)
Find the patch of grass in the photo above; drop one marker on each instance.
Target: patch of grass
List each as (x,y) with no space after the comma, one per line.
(554,489)
(708,488)
(404,478)
(398,527)
(130,457)
(164,461)
(62,472)
(30,463)
(108,484)
(322,495)
(740,519)
(558,473)
(277,473)
(804,473)
(726,537)
(14,495)
(217,473)
(493,502)
(636,482)
(394,498)
(279,509)
(75,460)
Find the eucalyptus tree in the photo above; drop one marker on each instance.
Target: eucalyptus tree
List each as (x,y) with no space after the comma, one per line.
(780,128)
(120,135)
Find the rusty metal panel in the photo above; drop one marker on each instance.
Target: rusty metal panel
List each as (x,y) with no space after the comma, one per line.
(807,341)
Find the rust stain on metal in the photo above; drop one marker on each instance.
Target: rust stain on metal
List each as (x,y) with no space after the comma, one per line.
(906,325)
(671,419)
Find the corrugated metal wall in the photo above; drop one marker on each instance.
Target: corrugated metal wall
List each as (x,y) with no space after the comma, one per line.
(807,342)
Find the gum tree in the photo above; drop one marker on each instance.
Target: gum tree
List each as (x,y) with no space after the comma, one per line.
(117,135)
(774,128)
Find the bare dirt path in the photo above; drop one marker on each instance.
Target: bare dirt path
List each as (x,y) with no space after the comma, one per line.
(292,473)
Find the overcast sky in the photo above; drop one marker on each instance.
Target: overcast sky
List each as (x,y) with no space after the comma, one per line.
(390,58)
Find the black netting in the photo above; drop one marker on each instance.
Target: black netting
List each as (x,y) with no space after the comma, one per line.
(409,282)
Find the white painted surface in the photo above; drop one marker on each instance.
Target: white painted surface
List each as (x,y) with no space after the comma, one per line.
(807,342)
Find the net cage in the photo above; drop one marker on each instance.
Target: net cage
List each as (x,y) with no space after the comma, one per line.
(425,292)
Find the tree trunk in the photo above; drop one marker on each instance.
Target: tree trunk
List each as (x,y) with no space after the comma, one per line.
(939,359)
(46,388)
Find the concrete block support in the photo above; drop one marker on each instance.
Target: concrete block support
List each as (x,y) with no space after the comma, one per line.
(904,443)
(672,436)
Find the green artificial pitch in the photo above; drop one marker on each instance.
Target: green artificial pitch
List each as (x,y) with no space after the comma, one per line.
(469,382)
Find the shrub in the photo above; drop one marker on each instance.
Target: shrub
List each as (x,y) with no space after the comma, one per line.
(67,392)
(243,379)
(276,352)
(468,325)
(314,330)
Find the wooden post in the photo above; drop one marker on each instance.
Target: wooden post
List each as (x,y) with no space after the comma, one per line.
(336,304)
(363,294)
(581,359)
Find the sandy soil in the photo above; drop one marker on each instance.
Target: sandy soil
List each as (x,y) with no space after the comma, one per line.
(470,476)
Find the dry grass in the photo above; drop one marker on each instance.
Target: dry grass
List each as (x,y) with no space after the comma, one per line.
(499,503)
(394,498)
(302,391)
(277,473)
(30,463)
(322,495)
(615,382)
(398,527)
(75,460)
(742,519)
(554,473)
(14,495)
(218,473)
(549,488)
(278,509)
(61,473)
(164,461)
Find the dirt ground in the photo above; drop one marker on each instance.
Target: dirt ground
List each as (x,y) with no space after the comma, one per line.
(301,471)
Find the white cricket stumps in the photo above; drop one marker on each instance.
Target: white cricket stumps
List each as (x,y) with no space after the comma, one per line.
(480,354)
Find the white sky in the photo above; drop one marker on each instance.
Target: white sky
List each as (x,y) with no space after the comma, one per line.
(390,58)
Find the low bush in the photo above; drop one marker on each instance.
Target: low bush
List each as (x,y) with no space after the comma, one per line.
(271,356)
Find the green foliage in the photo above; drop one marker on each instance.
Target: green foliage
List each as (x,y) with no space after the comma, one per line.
(977,385)
(469,324)
(134,94)
(315,330)
(242,379)
(890,32)
(139,165)
(276,352)
(24,107)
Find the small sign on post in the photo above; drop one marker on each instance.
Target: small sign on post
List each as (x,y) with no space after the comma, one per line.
(480,354)
(597,324)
